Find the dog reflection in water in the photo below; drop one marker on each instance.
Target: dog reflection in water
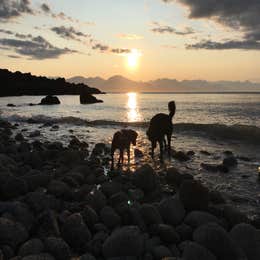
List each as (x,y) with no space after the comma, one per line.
(122,141)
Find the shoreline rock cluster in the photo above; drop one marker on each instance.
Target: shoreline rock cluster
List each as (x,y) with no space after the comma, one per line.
(59,202)
(18,84)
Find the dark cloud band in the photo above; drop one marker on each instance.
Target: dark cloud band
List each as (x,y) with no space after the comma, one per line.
(158,28)
(34,48)
(10,9)
(241,15)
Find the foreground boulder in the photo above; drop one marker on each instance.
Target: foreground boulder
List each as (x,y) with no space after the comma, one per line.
(194,195)
(14,187)
(50,100)
(199,218)
(127,241)
(75,232)
(86,98)
(172,211)
(145,178)
(12,233)
(247,238)
(194,251)
(150,214)
(58,248)
(217,240)
(31,247)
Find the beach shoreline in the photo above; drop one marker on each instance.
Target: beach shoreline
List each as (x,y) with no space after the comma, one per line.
(65,195)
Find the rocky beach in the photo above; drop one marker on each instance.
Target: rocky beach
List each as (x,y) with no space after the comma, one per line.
(61,201)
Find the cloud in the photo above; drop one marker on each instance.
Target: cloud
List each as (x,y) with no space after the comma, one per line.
(167,46)
(106,49)
(14,56)
(212,45)
(17,35)
(158,28)
(69,33)
(45,8)
(130,36)
(240,15)
(100,47)
(10,9)
(6,31)
(34,48)
(120,51)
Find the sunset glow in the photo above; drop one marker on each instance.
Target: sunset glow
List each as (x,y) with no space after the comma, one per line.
(133,59)
(132,106)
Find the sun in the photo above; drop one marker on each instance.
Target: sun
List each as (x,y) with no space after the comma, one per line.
(133,59)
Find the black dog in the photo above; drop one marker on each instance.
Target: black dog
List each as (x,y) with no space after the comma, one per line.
(161,126)
(122,141)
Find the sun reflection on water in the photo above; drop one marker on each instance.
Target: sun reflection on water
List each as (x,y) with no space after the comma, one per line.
(132,106)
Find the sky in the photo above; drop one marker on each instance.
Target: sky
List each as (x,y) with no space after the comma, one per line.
(139,39)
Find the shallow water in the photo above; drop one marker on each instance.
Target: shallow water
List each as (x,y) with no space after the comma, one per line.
(240,186)
(228,109)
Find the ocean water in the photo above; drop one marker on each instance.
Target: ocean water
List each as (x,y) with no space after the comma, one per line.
(203,122)
(228,109)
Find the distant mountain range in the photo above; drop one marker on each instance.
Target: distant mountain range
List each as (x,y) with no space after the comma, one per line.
(121,84)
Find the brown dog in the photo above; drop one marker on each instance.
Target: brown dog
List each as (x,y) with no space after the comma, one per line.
(122,140)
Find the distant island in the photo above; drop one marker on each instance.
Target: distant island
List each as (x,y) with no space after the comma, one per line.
(18,84)
(122,84)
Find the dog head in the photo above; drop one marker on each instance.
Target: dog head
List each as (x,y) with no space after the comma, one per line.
(172,107)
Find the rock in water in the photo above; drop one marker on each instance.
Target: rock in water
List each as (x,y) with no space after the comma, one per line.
(86,98)
(138,153)
(247,237)
(50,100)
(127,241)
(194,195)
(230,161)
(217,240)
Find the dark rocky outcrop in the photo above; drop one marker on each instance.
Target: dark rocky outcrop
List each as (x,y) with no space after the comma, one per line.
(86,98)
(18,84)
(50,100)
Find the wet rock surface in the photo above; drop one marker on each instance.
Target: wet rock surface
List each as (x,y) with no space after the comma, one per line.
(59,202)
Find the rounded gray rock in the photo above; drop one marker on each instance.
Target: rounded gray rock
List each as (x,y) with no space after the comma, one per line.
(172,211)
(247,237)
(217,240)
(127,241)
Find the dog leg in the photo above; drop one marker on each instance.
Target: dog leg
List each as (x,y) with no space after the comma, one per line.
(153,147)
(122,156)
(128,155)
(169,137)
(112,162)
(161,151)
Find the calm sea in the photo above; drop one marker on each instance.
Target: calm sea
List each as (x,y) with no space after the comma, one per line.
(228,109)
